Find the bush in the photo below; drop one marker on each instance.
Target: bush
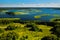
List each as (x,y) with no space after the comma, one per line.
(9,36)
(56,31)
(33,27)
(1,30)
(4,22)
(10,13)
(24,37)
(11,27)
(50,38)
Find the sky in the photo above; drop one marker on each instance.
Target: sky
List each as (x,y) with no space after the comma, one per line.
(17,2)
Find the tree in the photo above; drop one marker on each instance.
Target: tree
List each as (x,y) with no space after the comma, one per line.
(9,36)
(11,27)
(53,37)
(1,30)
(32,27)
(24,37)
(10,13)
(56,30)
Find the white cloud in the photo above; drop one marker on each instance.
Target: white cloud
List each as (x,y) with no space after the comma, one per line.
(32,5)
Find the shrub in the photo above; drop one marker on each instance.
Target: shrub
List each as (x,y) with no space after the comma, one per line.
(56,31)
(10,13)
(33,27)
(1,30)
(9,36)
(11,27)
(24,37)
(50,38)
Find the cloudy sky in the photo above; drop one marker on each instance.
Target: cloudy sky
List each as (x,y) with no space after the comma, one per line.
(30,3)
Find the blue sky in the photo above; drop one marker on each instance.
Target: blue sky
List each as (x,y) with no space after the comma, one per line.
(28,1)
(42,3)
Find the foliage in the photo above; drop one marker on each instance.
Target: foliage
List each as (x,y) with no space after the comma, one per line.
(9,36)
(1,30)
(56,30)
(52,37)
(10,13)
(32,27)
(24,37)
(11,27)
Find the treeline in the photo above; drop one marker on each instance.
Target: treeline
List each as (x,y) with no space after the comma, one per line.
(24,22)
(8,21)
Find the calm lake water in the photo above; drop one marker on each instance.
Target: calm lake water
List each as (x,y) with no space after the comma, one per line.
(45,14)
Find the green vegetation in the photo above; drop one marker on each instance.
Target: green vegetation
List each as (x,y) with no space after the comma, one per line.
(11,27)
(56,29)
(1,30)
(51,37)
(24,38)
(10,13)
(4,21)
(16,29)
(32,27)
(9,36)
